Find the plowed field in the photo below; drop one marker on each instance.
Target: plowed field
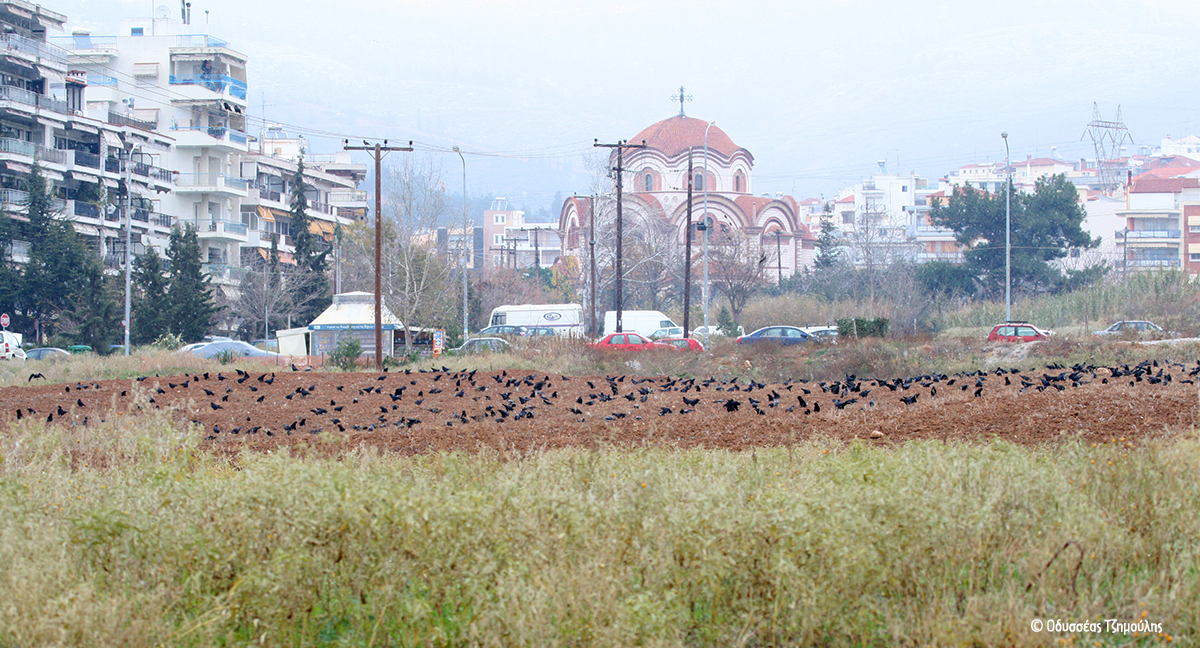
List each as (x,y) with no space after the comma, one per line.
(434,410)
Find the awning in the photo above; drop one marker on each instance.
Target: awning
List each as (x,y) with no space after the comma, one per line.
(284,257)
(321,228)
(17,166)
(265,213)
(51,174)
(111,184)
(145,69)
(111,139)
(84,128)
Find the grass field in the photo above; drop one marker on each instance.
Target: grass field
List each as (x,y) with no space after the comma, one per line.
(129,535)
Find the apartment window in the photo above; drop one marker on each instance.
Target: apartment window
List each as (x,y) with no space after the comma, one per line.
(904,188)
(847,218)
(497,239)
(498,219)
(135,31)
(1193,229)
(1194,257)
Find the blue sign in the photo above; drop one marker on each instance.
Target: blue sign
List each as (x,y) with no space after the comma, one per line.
(552,316)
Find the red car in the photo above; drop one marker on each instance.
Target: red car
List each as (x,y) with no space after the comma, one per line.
(1017,332)
(684,344)
(628,342)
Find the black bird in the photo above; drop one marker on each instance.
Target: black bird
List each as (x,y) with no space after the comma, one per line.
(36,375)
(214,406)
(732,405)
(664,411)
(260,398)
(909,400)
(691,401)
(61,411)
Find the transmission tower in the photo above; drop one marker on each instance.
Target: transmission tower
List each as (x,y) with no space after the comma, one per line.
(1107,137)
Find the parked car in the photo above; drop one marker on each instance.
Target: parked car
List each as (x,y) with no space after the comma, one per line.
(1134,328)
(684,344)
(76,349)
(539,330)
(481,345)
(47,353)
(236,348)
(785,335)
(628,341)
(668,332)
(504,329)
(823,333)
(713,331)
(1017,332)
(10,346)
(188,347)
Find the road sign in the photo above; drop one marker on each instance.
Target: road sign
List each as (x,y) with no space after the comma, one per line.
(4,320)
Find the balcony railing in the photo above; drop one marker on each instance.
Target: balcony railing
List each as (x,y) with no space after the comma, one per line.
(118,119)
(84,42)
(1169,234)
(29,149)
(233,227)
(83,158)
(112,165)
(222,272)
(210,180)
(37,48)
(1153,263)
(86,210)
(216,132)
(13,197)
(200,40)
(23,96)
(94,79)
(214,82)
(355,195)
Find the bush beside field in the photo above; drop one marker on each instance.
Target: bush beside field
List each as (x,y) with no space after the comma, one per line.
(127,534)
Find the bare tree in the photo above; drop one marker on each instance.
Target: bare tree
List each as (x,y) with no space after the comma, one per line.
(415,276)
(737,267)
(270,296)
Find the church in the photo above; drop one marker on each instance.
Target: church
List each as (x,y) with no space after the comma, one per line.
(655,190)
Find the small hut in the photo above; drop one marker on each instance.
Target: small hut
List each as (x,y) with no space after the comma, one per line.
(352,315)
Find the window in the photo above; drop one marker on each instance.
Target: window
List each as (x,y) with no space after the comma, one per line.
(1194,257)
(698,184)
(135,31)
(904,188)
(847,218)
(649,182)
(496,260)
(497,239)
(737,183)
(1193,229)
(498,219)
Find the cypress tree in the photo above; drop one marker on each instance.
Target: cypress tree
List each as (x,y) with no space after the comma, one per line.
(192,307)
(152,310)
(311,252)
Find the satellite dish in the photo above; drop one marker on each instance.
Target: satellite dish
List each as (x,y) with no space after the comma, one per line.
(162,12)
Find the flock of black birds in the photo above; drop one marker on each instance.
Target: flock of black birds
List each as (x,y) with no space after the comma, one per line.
(503,398)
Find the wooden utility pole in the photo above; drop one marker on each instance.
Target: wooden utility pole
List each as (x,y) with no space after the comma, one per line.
(592,247)
(687,254)
(620,146)
(377,151)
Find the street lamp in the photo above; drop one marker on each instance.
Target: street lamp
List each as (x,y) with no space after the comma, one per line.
(1007,233)
(466,331)
(705,226)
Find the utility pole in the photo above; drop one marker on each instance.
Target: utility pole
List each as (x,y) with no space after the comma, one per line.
(687,254)
(128,243)
(377,151)
(620,146)
(592,247)
(463,241)
(779,256)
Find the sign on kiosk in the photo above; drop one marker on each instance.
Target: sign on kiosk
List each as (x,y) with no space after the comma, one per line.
(439,342)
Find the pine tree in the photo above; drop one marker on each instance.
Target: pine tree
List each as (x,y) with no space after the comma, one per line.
(193,309)
(828,253)
(311,252)
(152,310)
(97,315)
(60,267)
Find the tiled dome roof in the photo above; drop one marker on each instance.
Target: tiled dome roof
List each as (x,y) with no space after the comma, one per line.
(674,135)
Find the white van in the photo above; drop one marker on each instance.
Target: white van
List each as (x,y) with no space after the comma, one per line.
(645,322)
(10,346)
(565,319)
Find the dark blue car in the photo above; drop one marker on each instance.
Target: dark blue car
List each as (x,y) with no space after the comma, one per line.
(785,335)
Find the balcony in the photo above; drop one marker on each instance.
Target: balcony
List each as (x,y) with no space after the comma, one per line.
(221,84)
(211,183)
(16,147)
(33,99)
(16,200)
(350,197)
(117,119)
(200,40)
(34,50)
(218,137)
(1153,263)
(1151,234)
(224,274)
(222,230)
(90,160)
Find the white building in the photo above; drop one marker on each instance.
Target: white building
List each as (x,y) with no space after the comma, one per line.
(512,242)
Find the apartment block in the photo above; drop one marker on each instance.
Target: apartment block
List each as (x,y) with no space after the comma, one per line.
(1162,225)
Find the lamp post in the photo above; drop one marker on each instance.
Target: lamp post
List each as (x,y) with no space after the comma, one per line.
(466,331)
(128,240)
(1007,233)
(705,225)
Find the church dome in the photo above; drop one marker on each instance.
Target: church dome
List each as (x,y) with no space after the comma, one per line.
(674,135)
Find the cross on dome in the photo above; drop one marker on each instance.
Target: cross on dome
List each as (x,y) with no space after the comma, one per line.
(681,97)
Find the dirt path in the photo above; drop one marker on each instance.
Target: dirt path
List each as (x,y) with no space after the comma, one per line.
(434,410)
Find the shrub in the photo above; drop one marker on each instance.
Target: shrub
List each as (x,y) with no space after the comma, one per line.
(863,327)
(345,355)
(169,341)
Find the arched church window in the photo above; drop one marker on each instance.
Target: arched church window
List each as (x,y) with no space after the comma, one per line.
(699,182)
(649,182)
(737,183)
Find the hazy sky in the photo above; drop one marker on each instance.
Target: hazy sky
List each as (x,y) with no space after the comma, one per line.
(816,91)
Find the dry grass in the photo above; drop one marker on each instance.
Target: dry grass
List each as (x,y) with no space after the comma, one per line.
(127,535)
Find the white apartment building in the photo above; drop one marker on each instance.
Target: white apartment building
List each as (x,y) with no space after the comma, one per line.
(890,213)
(178,95)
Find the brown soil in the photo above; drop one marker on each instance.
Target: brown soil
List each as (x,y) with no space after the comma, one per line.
(358,409)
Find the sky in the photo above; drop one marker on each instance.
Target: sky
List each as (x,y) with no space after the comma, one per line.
(818,92)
